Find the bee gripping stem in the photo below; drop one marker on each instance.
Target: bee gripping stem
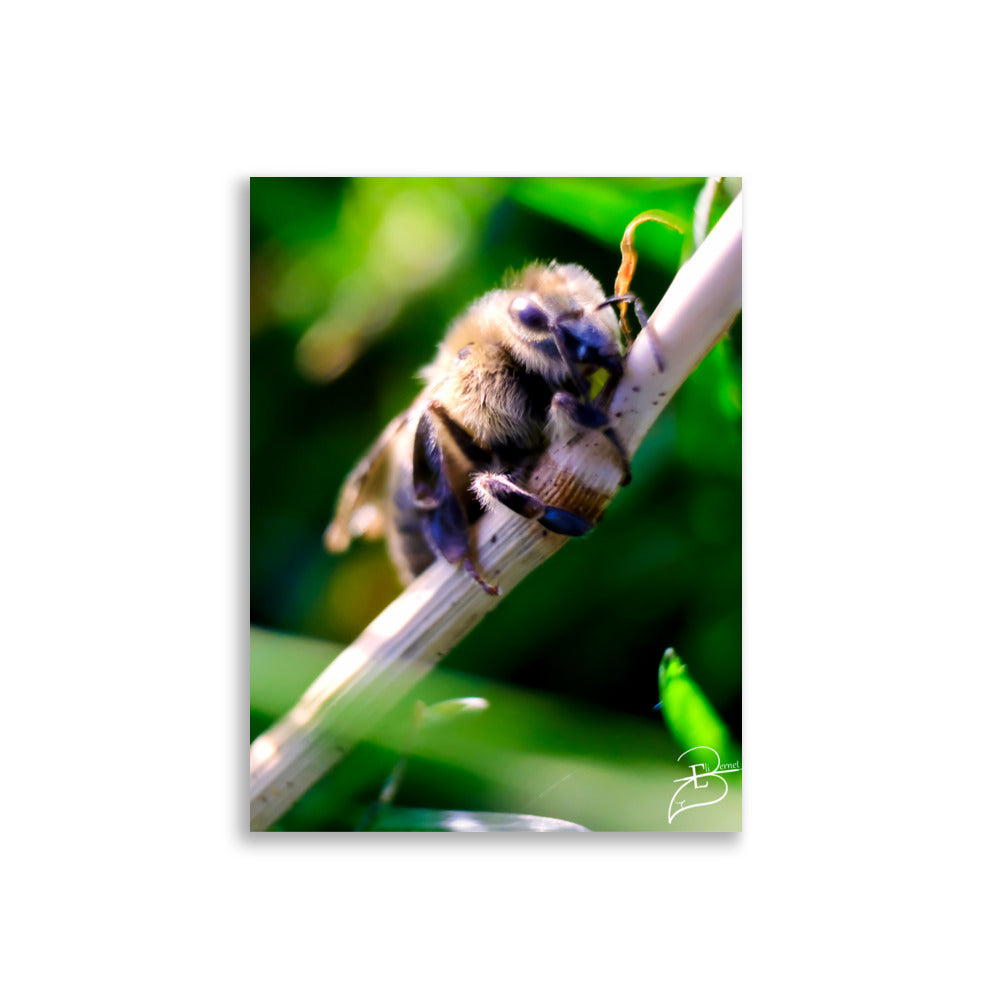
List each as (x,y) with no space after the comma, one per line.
(445,603)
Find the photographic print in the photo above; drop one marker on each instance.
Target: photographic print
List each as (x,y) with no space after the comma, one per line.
(495,504)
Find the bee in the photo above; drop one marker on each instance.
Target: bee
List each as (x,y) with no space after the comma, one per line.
(517,366)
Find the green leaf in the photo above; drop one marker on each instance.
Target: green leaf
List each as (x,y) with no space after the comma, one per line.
(688,713)
(444,711)
(603,207)
(395,819)
(282,667)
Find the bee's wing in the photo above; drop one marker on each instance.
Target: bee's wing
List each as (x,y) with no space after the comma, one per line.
(361,508)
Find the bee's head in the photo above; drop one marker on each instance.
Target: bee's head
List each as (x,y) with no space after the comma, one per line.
(561,323)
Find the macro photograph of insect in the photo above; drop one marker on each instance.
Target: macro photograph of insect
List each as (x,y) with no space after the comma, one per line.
(495,504)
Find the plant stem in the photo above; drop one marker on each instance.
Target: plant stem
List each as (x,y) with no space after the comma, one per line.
(442,605)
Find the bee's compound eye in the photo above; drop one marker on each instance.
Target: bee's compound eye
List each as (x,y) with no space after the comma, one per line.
(528,314)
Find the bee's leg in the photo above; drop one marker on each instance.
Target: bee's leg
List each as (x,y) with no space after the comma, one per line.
(579,410)
(612,435)
(494,486)
(628,297)
(447,530)
(458,434)
(640,315)
(559,338)
(443,517)
(587,416)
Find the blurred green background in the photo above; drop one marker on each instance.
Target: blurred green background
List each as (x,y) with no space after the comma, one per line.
(352,284)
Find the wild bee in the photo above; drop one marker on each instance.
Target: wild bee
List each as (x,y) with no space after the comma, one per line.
(517,364)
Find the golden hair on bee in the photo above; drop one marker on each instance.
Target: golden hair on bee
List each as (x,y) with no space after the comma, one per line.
(518,361)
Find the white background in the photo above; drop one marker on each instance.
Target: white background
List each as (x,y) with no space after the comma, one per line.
(866,139)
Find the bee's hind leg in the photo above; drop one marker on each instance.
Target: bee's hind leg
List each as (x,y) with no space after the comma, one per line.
(585,416)
(447,533)
(443,517)
(496,487)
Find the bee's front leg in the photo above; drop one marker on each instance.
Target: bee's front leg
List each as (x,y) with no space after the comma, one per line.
(495,486)
(586,416)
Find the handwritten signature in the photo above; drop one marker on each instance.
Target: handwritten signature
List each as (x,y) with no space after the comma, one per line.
(701,777)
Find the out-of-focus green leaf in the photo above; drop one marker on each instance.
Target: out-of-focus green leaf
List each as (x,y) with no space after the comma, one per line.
(713,199)
(603,207)
(687,712)
(445,711)
(397,820)
(282,667)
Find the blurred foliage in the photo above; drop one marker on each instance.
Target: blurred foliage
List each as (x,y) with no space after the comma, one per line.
(545,755)
(352,284)
(688,713)
(396,820)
